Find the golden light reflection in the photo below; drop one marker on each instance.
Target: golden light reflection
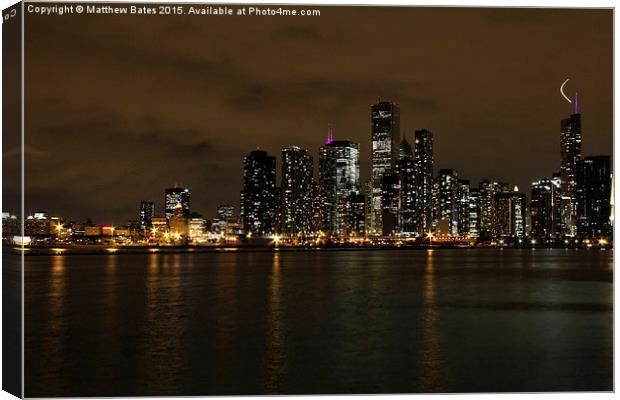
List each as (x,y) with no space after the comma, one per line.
(275,349)
(431,361)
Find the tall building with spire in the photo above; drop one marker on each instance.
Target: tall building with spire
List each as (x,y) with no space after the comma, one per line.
(385,137)
(570,152)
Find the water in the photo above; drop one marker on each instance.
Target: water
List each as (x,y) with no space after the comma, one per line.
(319,322)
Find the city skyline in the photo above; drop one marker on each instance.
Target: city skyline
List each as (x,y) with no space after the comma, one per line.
(486,114)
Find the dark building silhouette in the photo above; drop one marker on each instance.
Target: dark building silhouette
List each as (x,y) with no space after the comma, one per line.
(448,201)
(390,200)
(545,209)
(593,197)
(145,216)
(258,197)
(424,162)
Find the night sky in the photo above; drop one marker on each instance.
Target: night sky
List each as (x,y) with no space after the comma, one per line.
(120,107)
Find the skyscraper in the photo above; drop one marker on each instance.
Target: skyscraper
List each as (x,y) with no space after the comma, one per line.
(474,213)
(356,215)
(258,195)
(174,196)
(385,137)
(448,200)
(545,209)
(463,207)
(390,201)
(297,171)
(570,139)
(147,210)
(406,168)
(339,177)
(593,197)
(424,179)
(511,214)
(489,191)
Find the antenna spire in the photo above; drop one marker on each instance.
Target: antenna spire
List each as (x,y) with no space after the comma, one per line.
(576,103)
(330,134)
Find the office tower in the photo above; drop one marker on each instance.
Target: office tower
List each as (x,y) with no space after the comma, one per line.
(355,206)
(570,139)
(545,209)
(511,214)
(147,210)
(390,201)
(174,196)
(424,180)
(593,197)
(474,213)
(225,212)
(385,137)
(462,208)
(317,217)
(296,187)
(339,175)
(448,202)
(196,227)
(178,222)
(258,195)
(277,215)
(489,190)
(406,169)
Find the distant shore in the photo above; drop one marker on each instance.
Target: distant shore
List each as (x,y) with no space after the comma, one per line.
(117,250)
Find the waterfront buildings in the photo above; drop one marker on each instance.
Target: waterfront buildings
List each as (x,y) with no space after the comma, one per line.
(296,186)
(545,209)
(424,171)
(147,210)
(174,196)
(570,142)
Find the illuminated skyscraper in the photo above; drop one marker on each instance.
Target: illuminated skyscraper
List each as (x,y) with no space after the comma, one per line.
(406,168)
(570,139)
(390,201)
(258,195)
(463,207)
(355,206)
(385,137)
(545,209)
(511,215)
(448,200)
(424,180)
(297,171)
(174,196)
(147,210)
(593,197)
(474,213)
(339,175)
(489,223)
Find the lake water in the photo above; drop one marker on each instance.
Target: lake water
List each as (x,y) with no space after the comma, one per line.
(319,322)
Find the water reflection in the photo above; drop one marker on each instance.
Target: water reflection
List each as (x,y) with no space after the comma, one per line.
(431,361)
(275,349)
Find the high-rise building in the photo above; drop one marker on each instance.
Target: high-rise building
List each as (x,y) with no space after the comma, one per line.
(147,210)
(474,213)
(385,137)
(570,139)
(258,195)
(297,171)
(178,222)
(424,180)
(406,168)
(463,207)
(355,206)
(449,200)
(339,176)
(489,190)
(593,197)
(390,200)
(174,196)
(317,218)
(511,214)
(545,209)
